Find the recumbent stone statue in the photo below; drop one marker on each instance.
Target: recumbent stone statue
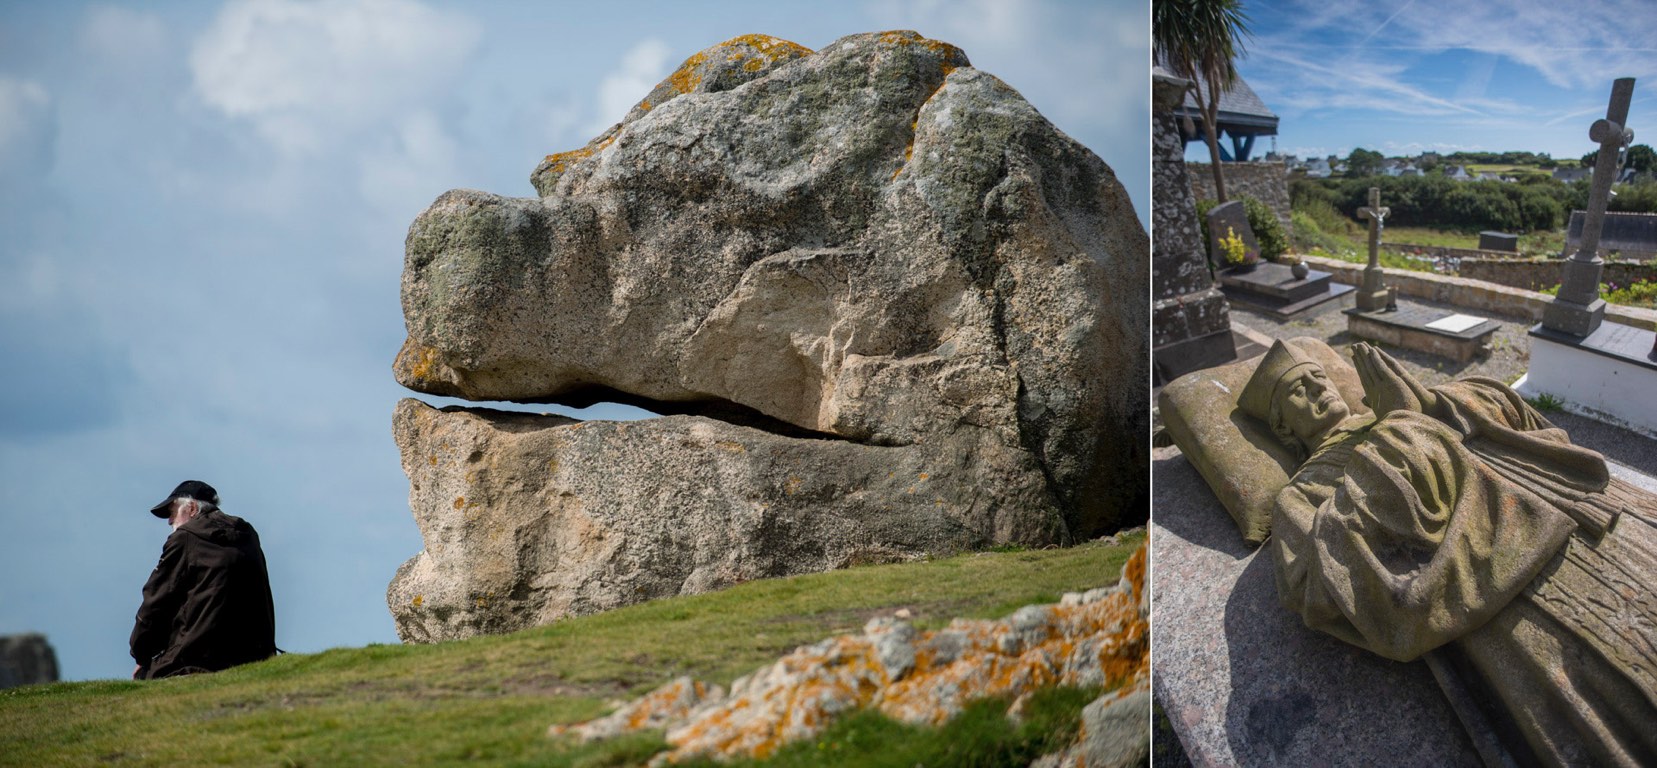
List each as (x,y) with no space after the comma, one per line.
(1457,524)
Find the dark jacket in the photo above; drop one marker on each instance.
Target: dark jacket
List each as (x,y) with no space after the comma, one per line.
(207,605)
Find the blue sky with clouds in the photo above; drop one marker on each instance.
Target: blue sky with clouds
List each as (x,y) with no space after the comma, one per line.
(202,212)
(1406,76)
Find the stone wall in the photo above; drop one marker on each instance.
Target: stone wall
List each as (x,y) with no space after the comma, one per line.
(1266,182)
(1537,274)
(1190,320)
(1441,251)
(1475,295)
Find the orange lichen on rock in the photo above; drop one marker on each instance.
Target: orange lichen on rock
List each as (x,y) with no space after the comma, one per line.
(906,37)
(415,362)
(758,50)
(558,163)
(1095,638)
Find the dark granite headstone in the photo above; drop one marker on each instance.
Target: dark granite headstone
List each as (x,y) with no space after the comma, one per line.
(1224,220)
(1498,241)
(1272,289)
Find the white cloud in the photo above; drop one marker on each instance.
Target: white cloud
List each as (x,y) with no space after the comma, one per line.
(643,66)
(301,71)
(26,130)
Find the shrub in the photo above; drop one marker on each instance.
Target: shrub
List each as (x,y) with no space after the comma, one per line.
(1268,231)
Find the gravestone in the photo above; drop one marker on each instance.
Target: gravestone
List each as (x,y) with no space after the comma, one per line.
(1604,370)
(1224,221)
(1264,286)
(1190,320)
(1498,241)
(1378,316)
(1577,309)
(1373,293)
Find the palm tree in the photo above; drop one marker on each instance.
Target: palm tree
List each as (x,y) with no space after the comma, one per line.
(1198,39)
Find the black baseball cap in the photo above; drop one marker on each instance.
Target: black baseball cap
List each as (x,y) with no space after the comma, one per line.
(193,489)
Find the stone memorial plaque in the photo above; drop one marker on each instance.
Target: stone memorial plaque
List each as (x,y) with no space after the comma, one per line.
(1456,323)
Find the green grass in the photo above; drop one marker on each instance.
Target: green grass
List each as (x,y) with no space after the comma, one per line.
(490,700)
(1322,231)
(1546,403)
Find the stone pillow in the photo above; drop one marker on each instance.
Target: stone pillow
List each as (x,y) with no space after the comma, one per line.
(1241,460)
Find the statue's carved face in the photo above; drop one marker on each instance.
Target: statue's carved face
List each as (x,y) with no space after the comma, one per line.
(1309,404)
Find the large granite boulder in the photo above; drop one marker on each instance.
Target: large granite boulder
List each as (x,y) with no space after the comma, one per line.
(855,270)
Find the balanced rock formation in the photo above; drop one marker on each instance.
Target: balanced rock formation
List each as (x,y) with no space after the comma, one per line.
(895,311)
(1095,638)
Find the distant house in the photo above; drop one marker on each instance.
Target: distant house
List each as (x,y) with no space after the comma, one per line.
(1400,168)
(1568,175)
(1457,173)
(1317,168)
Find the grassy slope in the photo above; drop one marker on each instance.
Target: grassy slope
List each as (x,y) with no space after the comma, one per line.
(491,699)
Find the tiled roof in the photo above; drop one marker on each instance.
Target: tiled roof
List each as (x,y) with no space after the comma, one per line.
(1240,108)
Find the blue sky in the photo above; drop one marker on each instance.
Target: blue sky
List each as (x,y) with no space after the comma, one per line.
(202,212)
(1406,76)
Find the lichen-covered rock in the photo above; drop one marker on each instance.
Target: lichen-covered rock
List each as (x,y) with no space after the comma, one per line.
(898,312)
(529,518)
(874,243)
(1096,638)
(27,659)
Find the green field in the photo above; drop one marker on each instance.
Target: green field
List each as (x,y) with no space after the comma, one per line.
(490,700)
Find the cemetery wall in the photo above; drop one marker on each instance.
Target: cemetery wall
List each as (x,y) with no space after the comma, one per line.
(1537,274)
(1475,295)
(1439,251)
(1266,182)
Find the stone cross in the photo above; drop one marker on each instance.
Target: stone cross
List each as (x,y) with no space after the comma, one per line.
(1578,309)
(1373,294)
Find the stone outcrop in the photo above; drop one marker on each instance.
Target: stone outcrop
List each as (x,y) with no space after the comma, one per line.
(27,659)
(1095,638)
(529,518)
(896,311)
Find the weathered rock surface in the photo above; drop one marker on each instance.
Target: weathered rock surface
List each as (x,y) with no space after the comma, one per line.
(1094,638)
(866,260)
(529,518)
(27,659)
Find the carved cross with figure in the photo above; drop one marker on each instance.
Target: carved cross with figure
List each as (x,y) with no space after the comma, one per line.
(1373,295)
(1375,213)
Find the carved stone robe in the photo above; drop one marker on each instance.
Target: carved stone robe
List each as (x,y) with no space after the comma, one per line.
(1483,539)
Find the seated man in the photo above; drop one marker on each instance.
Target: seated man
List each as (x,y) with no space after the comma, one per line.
(1458,523)
(207,605)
